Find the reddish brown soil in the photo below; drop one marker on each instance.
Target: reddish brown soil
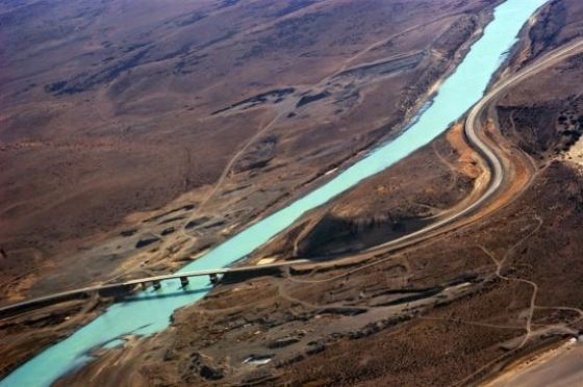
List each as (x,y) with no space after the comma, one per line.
(110,111)
(438,346)
(448,311)
(415,191)
(132,138)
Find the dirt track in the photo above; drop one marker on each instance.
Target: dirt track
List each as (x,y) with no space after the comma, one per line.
(496,158)
(500,185)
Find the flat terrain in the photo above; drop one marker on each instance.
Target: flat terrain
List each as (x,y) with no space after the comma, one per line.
(134,138)
(173,126)
(470,305)
(453,310)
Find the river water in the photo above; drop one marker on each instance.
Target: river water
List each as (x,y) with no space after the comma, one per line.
(149,311)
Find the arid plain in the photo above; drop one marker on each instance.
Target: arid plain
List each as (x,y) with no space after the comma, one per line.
(134,138)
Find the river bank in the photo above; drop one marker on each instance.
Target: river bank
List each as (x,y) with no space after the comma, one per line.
(318,199)
(114,261)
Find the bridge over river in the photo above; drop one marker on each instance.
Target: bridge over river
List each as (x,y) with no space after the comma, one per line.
(126,287)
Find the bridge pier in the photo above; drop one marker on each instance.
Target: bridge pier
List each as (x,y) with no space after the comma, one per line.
(156,285)
(214,279)
(184,281)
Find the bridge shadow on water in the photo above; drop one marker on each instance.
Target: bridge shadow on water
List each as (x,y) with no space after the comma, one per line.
(150,294)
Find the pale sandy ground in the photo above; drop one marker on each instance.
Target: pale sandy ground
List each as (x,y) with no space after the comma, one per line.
(560,367)
(575,154)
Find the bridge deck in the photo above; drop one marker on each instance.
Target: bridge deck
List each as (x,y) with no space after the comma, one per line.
(121,285)
(209,272)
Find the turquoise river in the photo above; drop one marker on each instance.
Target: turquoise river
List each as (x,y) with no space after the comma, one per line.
(148,313)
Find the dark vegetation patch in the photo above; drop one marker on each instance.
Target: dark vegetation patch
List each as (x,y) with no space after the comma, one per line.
(293,6)
(84,82)
(197,222)
(187,60)
(306,99)
(146,241)
(55,87)
(227,3)
(132,56)
(172,219)
(168,231)
(545,33)
(459,32)
(134,46)
(11,20)
(128,233)
(188,19)
(275,96)
(382,68)
(187,207)
(215,223)
(259,155)
(299,32)
(13,3)
(533,124)
(236,189)
(549,128)
(227,35)
(196,366)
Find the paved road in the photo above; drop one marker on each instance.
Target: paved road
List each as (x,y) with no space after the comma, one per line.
(491,155)
(131,283)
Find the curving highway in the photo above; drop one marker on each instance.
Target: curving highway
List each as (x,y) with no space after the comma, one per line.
(24,305)
(490,153)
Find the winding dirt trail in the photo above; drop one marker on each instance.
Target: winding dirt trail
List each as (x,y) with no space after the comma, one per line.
(496,158)
(289,105)
(500,266)
(529,331)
